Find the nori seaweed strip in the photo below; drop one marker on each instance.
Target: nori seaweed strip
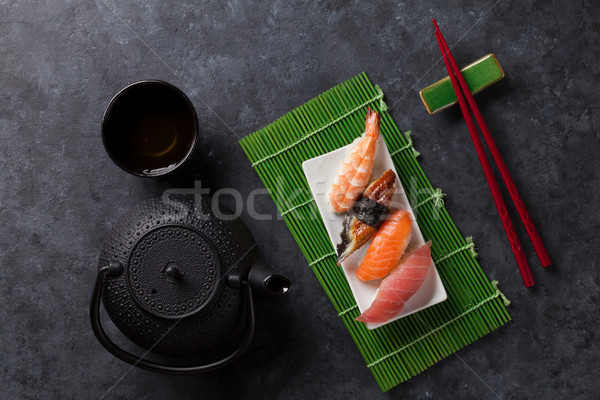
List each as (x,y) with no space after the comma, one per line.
(369,211)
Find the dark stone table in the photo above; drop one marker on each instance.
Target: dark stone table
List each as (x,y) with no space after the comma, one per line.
(243,66)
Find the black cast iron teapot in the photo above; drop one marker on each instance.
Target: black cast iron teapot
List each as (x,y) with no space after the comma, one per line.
(177,281)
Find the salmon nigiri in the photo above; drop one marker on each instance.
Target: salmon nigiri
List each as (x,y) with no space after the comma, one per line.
(399,286)
(387,247)
(353,175)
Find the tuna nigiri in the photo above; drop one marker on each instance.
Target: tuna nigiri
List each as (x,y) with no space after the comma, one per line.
(367,214)
(399,286)
(387,247)
(354,173)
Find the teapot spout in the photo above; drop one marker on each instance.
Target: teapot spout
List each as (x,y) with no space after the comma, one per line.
(263,279)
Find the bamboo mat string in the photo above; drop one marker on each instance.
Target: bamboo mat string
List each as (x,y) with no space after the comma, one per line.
(297,206)
(469,246)
(318,260)
(347,310)
(437,197)
(408,145)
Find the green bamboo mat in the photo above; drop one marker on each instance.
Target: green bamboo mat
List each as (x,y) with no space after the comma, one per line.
(398,351)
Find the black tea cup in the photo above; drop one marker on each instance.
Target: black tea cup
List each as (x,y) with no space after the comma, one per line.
(150,128)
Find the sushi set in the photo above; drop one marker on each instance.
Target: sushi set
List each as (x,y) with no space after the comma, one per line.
(368,248)
(300,157)
(380,247)
(163,264)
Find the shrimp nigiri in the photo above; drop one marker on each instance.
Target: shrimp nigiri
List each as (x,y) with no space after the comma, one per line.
(387,247)
(399,286)
(353,175)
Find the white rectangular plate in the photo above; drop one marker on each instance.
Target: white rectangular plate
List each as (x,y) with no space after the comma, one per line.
(320,172)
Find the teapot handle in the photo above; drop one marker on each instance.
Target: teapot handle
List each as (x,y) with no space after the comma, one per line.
(153,366)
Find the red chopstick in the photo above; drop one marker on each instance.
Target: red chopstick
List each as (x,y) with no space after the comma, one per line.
(510,185)
(485,164)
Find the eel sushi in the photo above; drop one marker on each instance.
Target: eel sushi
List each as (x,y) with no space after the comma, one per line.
(387,247)
(367,214)
(353,175)
(399,286)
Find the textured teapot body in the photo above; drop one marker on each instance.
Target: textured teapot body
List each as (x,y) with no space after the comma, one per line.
(173,294)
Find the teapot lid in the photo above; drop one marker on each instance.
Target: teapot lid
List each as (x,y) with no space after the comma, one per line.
(173,271)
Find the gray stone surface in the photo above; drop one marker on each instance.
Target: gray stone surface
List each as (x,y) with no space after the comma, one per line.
(243,66)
